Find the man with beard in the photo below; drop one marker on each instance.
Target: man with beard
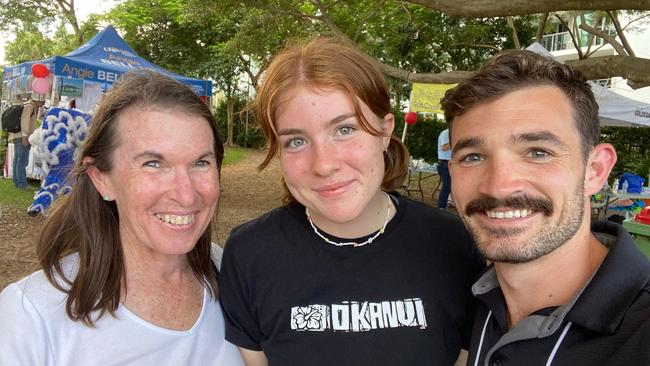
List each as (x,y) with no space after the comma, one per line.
(525,160)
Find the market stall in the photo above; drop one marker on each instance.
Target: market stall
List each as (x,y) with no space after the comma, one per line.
(85,73)
(73,85)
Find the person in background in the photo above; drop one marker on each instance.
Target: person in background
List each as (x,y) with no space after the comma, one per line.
(127,272)
(347,272)
(525,161)
(28,124)
(444,155)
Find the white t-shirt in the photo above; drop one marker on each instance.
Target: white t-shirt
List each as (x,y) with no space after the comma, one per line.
(35,330)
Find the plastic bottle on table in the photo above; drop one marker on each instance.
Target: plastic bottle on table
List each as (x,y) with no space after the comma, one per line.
(624,187)
(615,186)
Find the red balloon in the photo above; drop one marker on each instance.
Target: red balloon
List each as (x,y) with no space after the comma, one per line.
(411,118)
(40,70)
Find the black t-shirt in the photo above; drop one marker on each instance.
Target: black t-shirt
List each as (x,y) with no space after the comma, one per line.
(404,299)
(608,323)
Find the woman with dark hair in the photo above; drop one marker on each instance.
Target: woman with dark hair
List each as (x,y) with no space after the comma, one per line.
(127,272)
(347,272)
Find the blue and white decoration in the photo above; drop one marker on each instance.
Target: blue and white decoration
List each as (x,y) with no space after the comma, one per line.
(63,131)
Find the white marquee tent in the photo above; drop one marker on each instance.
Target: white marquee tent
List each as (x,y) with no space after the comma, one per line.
(617,110)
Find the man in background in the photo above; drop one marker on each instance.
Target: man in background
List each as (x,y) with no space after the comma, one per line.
(526,158)
(20,139)
(444,155)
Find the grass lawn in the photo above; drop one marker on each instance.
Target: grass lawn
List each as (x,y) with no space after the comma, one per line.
(10,196)
(22,198)
(233,155)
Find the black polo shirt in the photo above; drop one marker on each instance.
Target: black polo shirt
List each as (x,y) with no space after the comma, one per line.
(608,323)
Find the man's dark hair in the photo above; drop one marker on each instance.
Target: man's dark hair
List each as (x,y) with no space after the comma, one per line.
(516,69)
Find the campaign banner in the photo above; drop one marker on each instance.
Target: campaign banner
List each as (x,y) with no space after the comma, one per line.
(68,68)
(426,97)
(107,72)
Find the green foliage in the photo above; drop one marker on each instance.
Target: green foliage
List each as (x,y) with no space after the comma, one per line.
(155,29)
(27,18)
(4,137)
(226,39)
(632,147)
(422,137)
(411,37)
(245,36)
(224,68)
(245,134)
(14,14)
(64,42)
(29,45)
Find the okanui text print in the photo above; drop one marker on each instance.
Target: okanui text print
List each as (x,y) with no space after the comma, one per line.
(354,316)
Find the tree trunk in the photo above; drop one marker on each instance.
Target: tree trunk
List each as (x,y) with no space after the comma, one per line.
(541,27)
(450,77)
(634,69)
(492,8)
(229,113)
(611,40)
(67,7)
(515,38)
(621,34)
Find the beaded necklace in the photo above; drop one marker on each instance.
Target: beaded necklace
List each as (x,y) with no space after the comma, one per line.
(354,244)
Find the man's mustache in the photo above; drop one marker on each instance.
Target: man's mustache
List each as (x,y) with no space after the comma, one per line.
(521,202)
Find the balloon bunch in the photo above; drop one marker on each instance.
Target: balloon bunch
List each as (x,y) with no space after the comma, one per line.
(42,83)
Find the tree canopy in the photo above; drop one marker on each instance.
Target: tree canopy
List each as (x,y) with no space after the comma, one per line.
(428,41)
(438,41)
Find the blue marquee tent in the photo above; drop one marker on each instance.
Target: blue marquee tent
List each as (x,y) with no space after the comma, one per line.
(102,60)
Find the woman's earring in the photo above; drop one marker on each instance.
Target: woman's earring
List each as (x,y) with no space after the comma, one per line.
(106,197)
